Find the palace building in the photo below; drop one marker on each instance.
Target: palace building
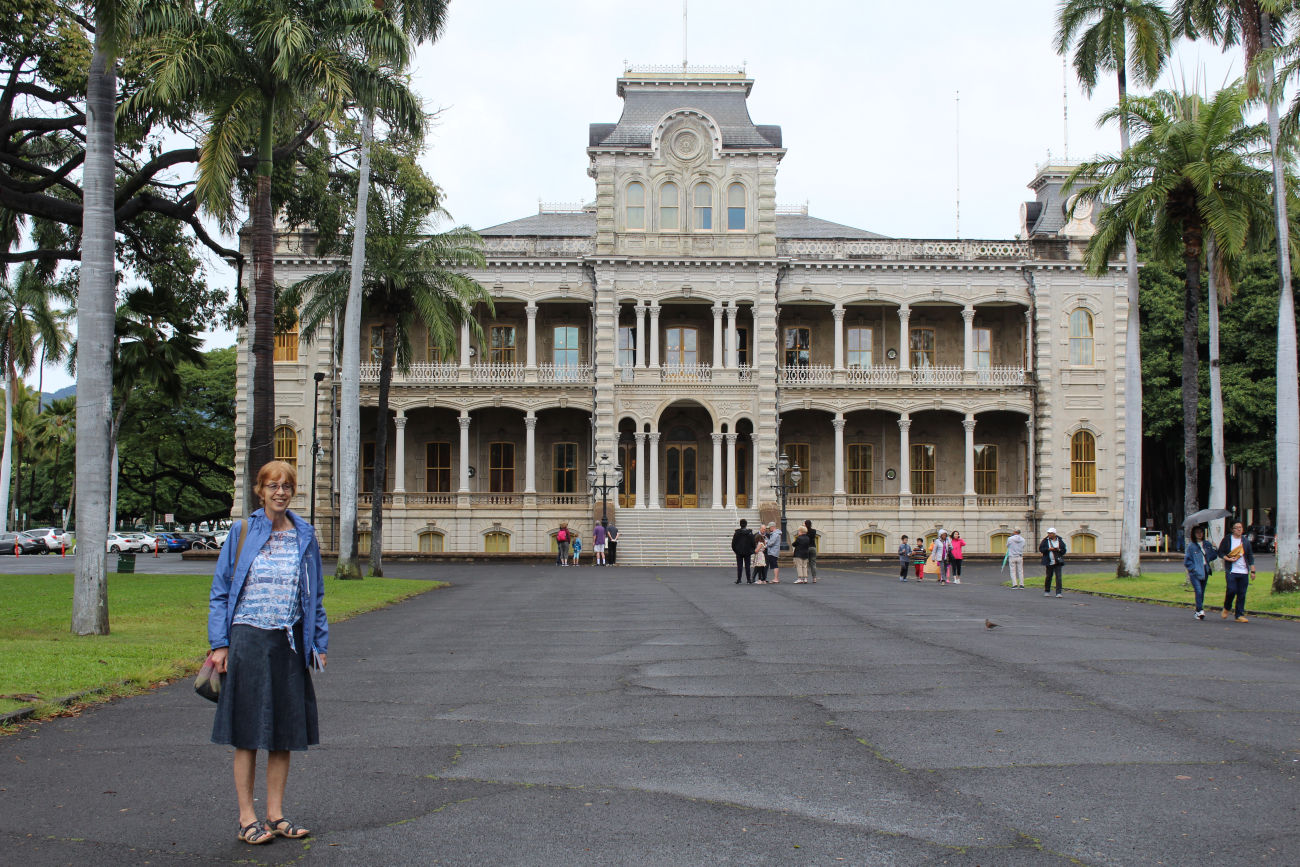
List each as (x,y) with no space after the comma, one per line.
(689,330)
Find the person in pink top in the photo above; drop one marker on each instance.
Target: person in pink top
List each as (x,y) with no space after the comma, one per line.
(956,543)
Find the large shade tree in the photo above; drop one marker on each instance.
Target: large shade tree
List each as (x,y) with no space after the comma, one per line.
(1121,36)
(1196,171)
(414,277)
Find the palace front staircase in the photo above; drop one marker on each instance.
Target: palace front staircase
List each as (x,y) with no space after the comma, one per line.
(678,537)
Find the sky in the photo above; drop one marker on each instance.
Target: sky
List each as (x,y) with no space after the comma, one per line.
(884,114)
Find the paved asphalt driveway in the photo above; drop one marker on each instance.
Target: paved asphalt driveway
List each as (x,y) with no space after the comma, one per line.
(538,715)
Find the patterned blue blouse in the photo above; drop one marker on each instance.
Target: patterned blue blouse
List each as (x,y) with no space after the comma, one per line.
(271,595)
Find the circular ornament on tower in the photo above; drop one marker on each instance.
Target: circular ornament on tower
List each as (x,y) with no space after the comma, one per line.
(686,145)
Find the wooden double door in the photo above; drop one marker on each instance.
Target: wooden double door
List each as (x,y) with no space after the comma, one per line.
(681,475)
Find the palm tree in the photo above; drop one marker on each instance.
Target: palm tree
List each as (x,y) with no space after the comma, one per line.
(410,277)
(422,21)
(57,429)
(1258,25)
(95,322)
(1121,36)
(258,69)
(1196,171)
(24,421)
(26,323)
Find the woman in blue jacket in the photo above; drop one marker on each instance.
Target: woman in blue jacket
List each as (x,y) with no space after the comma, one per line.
(1196,560)
(267,629)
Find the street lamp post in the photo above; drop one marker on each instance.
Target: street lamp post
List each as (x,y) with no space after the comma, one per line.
(603,470)
(784,478)
(315,441)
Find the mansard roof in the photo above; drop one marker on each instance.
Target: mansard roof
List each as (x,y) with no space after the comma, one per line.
(583,225)
(648,98)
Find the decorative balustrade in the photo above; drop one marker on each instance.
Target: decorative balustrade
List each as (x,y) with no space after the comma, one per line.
(903,249)
(1000,376)
(745,374)
(686,373)
(938,501)
(872,501)
(812,374)
(564,373)
(1003,502)
(876,375)
(936,375)
(502,246)
(809,501)
(582,500)
(369,499)
(429,498)
(495,372)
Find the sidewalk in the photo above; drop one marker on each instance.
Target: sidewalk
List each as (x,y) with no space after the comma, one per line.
(535,715)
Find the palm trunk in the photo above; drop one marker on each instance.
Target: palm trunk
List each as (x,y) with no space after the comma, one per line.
(95,299)
(6,459)
(261,443)
(114,470)
(350,375)
(1218,467)
(1286,576)
(1130,534)
(1191,364)
(381,450)
(18,487)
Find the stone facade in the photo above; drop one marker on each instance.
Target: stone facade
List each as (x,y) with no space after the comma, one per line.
(689,329)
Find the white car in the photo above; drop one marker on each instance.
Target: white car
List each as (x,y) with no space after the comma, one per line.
(118,542)
(55,539)
(145,542)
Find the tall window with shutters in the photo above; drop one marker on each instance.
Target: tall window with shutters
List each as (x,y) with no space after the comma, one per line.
(1083,463)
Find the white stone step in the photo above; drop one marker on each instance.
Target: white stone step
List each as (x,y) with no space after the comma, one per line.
(679,537)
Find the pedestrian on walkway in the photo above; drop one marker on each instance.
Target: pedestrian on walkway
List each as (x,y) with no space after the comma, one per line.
(611,544)
(598,543)
(576,546)
(904,558)
(1196,560)
(742,545)
(760,556)
(773,552)
(1236,551)
(919,557)
(562,545)
(955,544)
(267,628)
(1053,550)
(941,554)
(800,547)
(812,550)
(1016,559)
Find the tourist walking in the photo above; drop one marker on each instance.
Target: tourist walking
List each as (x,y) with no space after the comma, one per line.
(267,628)
(918,558)
(904,558)
(611,544)
(812,551)
(800,547)
(562,545)
(1236,551)
(1053,550)
(760,556)
(742,545)
(955,544)
(1196,560)
(773,553)
(940,555)
(1016,559)
(598,543)
(576,547)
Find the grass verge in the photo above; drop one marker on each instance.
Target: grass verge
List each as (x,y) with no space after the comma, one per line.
(158,632)
(1168,587)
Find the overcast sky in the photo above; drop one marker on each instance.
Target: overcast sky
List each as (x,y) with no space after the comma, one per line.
(865,92)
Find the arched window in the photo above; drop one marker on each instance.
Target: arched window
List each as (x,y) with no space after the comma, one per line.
(496,543)
(668,208)
(635,207)
(1083,463)
(1080,337)
(363,543)
(431,542)
(998,543)
(286,446)
(871,543)
(736,207)
(703,201)
(1083,543)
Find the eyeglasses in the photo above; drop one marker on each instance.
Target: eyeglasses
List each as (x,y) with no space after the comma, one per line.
(275,487)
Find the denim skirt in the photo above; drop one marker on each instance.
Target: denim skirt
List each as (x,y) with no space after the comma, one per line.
(267,701)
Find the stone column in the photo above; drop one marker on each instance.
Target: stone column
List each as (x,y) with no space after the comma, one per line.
(654,335)
(530,452)
(969,424)
(1029,444)
(716,468)
(717,336)
(640,338)
(904,456)
(904,338)
(531,310)
(639,436)
(733,356)
(464,344)
(838,424)
(464,451)
(731,470)
(968,338)
(837,312)
(399,453)
(654,469)
(1029,336)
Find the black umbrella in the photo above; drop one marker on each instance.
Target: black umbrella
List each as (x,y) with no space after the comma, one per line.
(1204,517)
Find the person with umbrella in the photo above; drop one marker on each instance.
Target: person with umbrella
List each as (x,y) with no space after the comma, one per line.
(1196,560)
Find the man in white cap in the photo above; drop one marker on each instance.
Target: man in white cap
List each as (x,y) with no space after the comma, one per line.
(1053,550)
(1016,559)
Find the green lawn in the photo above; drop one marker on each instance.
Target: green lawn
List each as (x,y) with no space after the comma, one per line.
(158,631)
(1168,587)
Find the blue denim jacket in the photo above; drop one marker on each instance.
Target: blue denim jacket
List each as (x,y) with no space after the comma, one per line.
(228,581)
(1197,560)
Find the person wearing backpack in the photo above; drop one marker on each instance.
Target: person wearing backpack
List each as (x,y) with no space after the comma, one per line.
(742,545)
(562,545)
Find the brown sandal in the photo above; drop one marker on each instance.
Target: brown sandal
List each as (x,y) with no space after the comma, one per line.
(284,828)
(254,834)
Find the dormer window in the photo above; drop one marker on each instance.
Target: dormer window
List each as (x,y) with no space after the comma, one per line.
(635,207)
(736,208)
(703,199)
(668,208)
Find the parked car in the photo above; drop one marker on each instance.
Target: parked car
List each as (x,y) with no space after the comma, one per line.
(121,542)
(24,543)
(1263,539)
(174,542)
(199,540)
(55,539)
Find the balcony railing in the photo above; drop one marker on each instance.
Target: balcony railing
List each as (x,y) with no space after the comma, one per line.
(904,249)
(938,501)
(812,374)
(564,373)
(686,373)
(1000,501)
(1000,376)
(583,499)
(935,375)
(872,501)
(876,375)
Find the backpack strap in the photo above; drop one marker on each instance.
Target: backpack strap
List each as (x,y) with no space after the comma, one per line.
(239,549)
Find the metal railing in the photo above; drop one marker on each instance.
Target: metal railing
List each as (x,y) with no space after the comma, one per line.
(875,375)
(564,373)
(812,374)
(686,373)
(1000,376)
(936,375)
